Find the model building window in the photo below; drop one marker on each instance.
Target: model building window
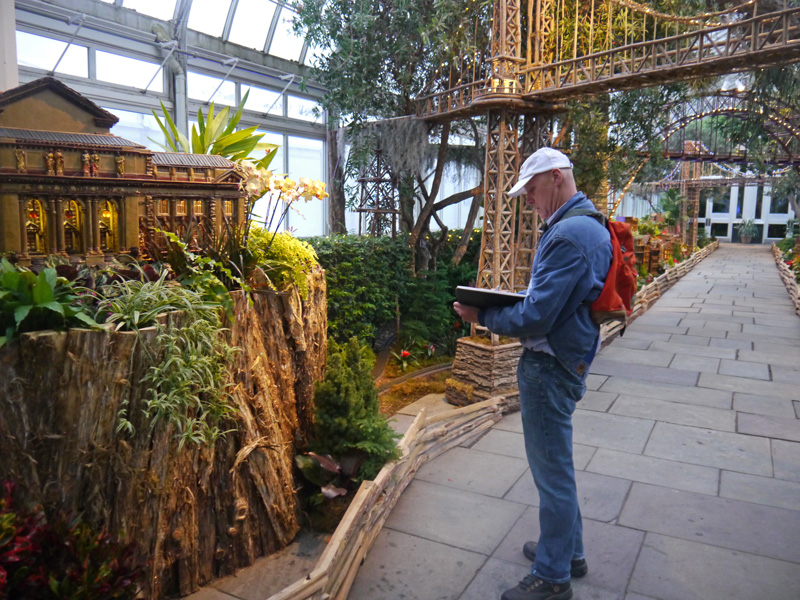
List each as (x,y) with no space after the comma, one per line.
(197,208)
(163,207)
(36,228)
(108,226)
(228,208)
(180,207)
(73,222)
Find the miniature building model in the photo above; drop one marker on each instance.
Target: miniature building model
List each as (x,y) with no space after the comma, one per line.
(69,187)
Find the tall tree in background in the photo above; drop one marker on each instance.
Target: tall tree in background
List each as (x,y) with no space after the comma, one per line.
(381,56)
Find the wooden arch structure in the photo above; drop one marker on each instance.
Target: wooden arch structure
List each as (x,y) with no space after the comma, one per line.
(781,125)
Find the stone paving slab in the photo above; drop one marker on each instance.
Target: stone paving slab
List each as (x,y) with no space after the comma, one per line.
(694,340)
(785,374)
(666,391)
(673,412)
(412,568)
(729,343)
(657,471)
(733,451)
(700,320)
(733,524)
(763,405)
(789,342)
(786,459)
(610,431)
(511,422)
(770,427)
(488,474)
(741,368)
(702,364)
(599,401)
(748,386)
(593,382)
(626,342)
(674,569)
(761,490)
(439,514)
(601,497)
(604,366)
(771,355)
(653,358)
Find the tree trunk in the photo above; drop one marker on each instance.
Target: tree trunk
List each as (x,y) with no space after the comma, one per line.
(336,200)
(461,249)
(196,513)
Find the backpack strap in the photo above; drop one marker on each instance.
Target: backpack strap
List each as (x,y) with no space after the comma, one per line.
(586,212)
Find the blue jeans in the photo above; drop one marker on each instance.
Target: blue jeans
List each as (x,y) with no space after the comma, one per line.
(548,394)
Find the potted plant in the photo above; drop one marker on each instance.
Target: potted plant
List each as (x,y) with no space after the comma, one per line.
(747,229)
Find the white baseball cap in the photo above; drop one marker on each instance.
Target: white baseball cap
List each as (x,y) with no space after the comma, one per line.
(541,161)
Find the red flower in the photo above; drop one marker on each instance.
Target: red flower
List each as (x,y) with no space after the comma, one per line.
(405,354)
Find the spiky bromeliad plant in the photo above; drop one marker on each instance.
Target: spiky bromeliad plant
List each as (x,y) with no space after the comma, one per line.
(216,134)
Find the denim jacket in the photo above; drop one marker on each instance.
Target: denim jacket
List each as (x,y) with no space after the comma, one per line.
(568,273)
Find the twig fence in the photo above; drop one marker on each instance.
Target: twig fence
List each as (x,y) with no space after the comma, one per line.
(426,438)
(788,277)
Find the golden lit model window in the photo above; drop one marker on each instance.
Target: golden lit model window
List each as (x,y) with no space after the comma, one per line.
(36,228)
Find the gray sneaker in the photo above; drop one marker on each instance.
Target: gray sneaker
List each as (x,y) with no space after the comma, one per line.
(533,588)
(578,568)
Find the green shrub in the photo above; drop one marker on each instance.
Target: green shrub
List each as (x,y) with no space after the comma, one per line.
(347,415)
(285,259)
(370,286)
(365,277)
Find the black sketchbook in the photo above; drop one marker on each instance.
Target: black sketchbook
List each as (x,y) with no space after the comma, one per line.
(486,298)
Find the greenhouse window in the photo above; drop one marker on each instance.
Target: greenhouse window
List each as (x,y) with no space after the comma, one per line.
(43,53)
(132,72)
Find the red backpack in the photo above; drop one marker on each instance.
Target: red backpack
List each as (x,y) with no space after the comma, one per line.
(616,299)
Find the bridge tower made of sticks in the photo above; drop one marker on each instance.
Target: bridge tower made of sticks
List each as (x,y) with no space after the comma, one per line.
(606,45)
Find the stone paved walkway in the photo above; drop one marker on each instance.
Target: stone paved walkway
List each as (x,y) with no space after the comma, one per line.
(688,450)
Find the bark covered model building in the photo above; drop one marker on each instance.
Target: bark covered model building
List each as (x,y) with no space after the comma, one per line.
(69,187)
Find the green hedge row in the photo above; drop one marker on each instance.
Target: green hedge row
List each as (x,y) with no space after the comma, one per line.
(370,287)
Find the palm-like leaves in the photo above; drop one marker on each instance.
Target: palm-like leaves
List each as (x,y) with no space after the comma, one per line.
(216,134)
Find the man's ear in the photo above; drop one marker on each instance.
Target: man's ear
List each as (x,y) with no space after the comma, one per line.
(558,176)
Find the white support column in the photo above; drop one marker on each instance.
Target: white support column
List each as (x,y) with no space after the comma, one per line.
(9,74)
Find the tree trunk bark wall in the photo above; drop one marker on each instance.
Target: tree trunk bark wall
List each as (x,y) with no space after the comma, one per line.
(195,514)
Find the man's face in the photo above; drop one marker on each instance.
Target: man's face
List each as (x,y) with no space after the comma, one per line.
(541,193)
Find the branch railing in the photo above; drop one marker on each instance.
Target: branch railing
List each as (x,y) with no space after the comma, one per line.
(762,40)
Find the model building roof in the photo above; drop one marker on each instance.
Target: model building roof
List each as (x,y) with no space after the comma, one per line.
(61,137)
(197,161)
(102,117)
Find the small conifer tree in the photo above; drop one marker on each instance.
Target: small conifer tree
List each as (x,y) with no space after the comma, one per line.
(347,410)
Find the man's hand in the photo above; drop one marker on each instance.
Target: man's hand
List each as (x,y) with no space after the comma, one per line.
(467,313)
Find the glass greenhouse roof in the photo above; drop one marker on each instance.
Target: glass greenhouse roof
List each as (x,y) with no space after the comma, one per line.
(265,25)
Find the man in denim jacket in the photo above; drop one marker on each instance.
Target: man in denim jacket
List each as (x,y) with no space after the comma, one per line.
(554,325)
